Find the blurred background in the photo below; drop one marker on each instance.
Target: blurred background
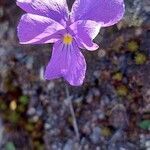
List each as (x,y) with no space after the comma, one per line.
(112,108)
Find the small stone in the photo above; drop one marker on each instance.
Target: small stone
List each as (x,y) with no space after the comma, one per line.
(35,118)
(138,31)
(96,92)
(101,116)
(101,53)
(147,144)
(13,105)
(98,148)
(54,147)
(95,136)
(68,145)
(42,74)
(105,100)
(31,111)
(89,98)
(50,85)
(96,74)
(86,147)
(29,63)
(86,129)
(122,148)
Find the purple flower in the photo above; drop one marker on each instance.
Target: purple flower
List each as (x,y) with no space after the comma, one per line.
(49,21)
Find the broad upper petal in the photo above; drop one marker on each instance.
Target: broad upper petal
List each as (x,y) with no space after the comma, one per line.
(37,29)
(68,62)
(54,9)
(84,32)
(109,12)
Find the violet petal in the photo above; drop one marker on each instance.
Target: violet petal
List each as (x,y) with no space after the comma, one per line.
(68,62)
(85,31)
(109,12)
(34,29)
(54,9)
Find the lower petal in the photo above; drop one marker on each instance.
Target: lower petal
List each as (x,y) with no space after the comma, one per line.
(68,62)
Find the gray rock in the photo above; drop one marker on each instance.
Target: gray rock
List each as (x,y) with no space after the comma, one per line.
(95,136)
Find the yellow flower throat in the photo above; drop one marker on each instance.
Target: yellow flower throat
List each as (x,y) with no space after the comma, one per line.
(67,39)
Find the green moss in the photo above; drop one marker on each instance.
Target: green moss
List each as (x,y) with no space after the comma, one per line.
(133,46)
(10,146)
(145,124)
(122,90)
(21,108)
(140,58)
(14,117)
(118,76)
(3,106)
(29,127)
(38,145)
(24,100)
(106,132)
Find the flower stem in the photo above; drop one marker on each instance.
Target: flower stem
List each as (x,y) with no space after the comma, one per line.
(75,125)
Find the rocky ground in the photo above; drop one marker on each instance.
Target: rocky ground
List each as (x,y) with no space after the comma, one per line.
(111,108)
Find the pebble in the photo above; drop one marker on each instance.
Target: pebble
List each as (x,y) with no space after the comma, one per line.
(50,85)
(42,74)
(47,126)
(35,118)
(29,63)
(101,53)
(31,111)
(68,145)
(95,136)
(147,144)
(96,92)
(89,98)
(96,74)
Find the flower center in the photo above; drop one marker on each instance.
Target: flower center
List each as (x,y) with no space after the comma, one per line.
(67,39)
